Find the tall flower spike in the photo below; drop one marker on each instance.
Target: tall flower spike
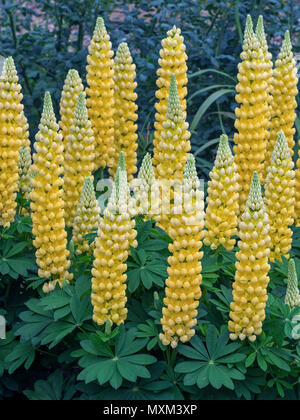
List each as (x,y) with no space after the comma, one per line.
(146,190)
(116,234)
(222,200)
(125,110)
(78,159)
(69,97)
(25,173)
(284,92)
(268,68)
(174,144)
(12,121)
(171,153)
(183,284)
(87,217)
(172,60)
(280,199)
(100,93)
(251,278)
(253,113)
(47,205)
(292,297)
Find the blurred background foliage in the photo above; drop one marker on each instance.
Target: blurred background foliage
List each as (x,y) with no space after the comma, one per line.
(47,38)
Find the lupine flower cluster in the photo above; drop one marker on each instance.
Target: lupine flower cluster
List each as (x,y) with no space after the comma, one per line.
(98,130)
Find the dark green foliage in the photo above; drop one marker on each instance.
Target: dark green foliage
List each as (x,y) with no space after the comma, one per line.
(69,357)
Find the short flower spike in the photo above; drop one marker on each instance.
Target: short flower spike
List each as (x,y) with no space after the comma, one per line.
(222,200)
(47,205)
(87,217)
(146,191)
(100,93)
(252,114)
(292,297)
(280,198)
(115,236)
(251,277)
(25,173)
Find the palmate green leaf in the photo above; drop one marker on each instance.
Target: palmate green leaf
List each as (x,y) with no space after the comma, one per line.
(102,363)
(56,332)
(22,354)
(212,361)
(53,317)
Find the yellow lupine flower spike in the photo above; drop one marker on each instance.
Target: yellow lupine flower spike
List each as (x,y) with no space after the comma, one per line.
(222,200)
(125,110)
(78,158)
(268,64)
(11,139)
(268,67)
(116,234)
(284,92)
(174,145)
(172,60)
(183,284)
(25,173)
(87,217)
(100,93)
(171,153)
(253,113)
(280,199)
(251,277)
(47,205)
(146,191)
(69,97)
(292,297)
